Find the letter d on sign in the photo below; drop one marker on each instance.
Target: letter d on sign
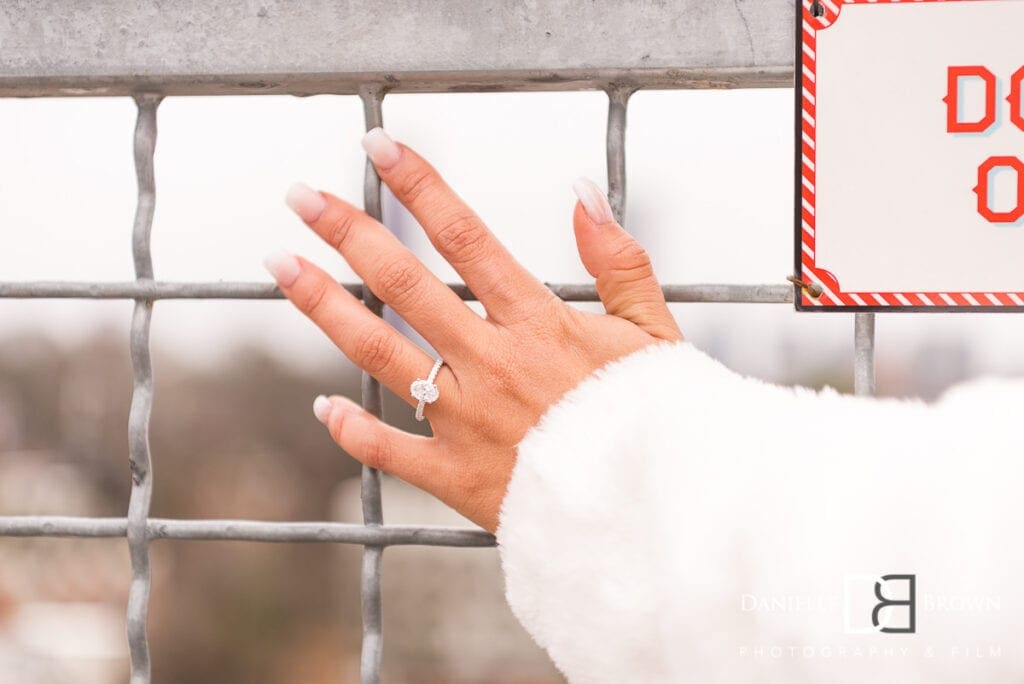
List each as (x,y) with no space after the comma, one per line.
(952,99)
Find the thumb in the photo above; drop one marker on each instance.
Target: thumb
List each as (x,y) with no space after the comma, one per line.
(620,265)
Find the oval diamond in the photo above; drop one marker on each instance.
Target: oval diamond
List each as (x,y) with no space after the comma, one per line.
(425,391)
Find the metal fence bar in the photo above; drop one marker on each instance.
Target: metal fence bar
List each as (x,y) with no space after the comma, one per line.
(570,292)
(373,514)
(247,530)
(864,354)
(615,148)
(142,394)
(303,84)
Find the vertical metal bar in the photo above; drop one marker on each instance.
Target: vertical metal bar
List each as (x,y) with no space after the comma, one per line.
(373,637)
(142,393)
(864,354)
(615,151)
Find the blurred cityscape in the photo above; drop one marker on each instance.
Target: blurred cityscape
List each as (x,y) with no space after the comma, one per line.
(239,441)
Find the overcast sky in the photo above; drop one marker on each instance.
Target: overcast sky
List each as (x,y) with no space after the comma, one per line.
(710,177)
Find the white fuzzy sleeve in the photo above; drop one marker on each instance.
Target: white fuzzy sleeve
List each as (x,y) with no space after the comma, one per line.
(669,520)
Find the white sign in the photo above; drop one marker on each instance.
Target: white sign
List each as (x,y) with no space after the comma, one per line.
(910,154)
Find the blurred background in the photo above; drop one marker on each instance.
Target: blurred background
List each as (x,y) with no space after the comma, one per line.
(710,177)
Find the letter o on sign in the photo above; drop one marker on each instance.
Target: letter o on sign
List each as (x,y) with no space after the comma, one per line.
(982,190)
(1016,107)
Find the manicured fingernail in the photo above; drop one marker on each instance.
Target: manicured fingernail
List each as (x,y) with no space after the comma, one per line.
(283,266)
(305,201)
(594,201)
(381,149)
(322,408)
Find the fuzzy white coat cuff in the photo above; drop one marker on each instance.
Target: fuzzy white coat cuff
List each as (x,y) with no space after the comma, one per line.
(669,520)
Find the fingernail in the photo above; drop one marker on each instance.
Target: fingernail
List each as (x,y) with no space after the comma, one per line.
(594,201)
(322,408)
(283,266)
(381,149)
(305,201)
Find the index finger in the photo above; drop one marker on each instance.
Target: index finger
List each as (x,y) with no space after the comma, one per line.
(503,286)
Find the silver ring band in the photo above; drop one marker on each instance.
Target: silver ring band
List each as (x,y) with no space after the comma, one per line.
(425,390)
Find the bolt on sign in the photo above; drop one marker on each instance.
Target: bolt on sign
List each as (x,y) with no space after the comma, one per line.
(910,155)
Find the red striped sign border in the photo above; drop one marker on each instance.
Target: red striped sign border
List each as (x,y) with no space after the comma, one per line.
(832,296)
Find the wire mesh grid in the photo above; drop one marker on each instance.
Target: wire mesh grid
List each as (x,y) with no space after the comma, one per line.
(373,534)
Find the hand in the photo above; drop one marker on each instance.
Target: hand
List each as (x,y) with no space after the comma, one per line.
(500,374)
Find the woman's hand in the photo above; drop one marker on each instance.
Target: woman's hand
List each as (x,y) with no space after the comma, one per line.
(500,374)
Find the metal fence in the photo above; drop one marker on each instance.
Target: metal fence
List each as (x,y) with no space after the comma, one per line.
(61,48)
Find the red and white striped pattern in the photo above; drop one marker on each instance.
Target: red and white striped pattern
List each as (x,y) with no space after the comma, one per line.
(832,294)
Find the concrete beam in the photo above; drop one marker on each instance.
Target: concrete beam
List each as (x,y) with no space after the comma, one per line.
(117,47)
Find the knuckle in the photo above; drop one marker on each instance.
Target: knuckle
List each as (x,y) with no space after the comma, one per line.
(568,323)
(502,372)
(399,281)
(545,307)
(629,255)
(313,300)
(374,351)
(336,425)
(413,185)
(462,236)
(544,316)
(339,228)
(630,264)
(377,452)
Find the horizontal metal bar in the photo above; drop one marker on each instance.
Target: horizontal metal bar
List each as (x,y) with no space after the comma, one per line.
(120,47)
(247,530)
(143,289)
(409,82)
(697,293)
(570,292)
